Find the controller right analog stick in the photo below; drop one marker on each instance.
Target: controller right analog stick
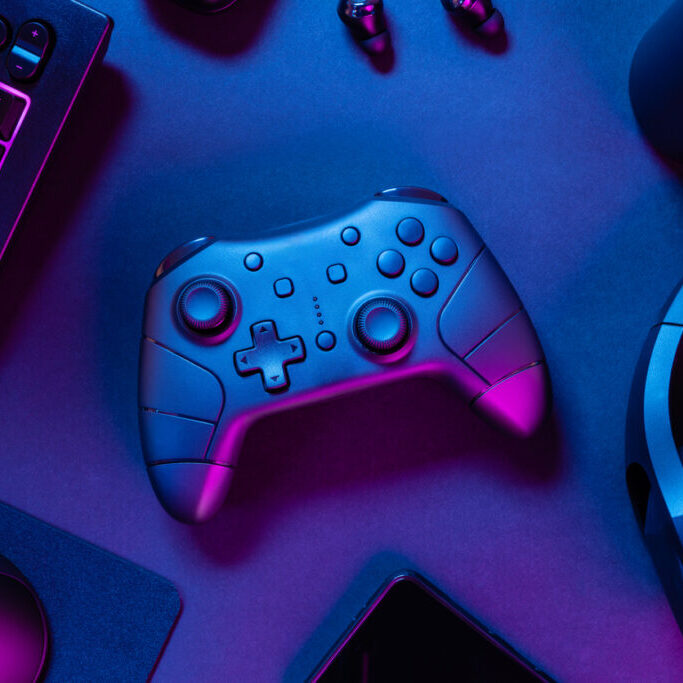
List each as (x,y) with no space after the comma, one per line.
(206,307)
(383,325)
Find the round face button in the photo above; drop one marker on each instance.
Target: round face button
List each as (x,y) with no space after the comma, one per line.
(390,263)
(382,325)
(326,341)
(253,261)
(206,307)
(410,231)
(444,251)
(350,236)
(424,282)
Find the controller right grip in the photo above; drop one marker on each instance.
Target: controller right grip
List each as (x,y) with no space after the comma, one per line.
(483,323)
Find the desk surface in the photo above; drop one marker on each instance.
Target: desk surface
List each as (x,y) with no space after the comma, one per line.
(266,115)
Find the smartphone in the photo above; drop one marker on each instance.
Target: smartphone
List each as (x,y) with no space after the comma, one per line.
(410,631)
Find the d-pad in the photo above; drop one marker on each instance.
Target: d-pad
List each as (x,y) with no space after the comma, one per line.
(270,356)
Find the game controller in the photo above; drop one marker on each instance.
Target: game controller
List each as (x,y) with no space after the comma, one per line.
(654,444)
(401,285)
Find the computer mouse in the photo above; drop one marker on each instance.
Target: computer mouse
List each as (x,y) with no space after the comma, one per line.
(206,6)
(23,628)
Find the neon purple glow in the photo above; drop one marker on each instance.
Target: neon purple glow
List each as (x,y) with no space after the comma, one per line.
(7,145)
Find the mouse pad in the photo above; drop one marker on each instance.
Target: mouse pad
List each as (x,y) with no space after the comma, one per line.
(109,619)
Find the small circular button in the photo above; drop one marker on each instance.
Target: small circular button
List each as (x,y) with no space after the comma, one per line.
(350,236)
(253,261)
(382,325)
(326,341)
(390,263)
(206,307)
(424,282)
(410,231)
(444,251)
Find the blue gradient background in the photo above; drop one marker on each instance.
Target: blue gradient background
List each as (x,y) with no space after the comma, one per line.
(268,114)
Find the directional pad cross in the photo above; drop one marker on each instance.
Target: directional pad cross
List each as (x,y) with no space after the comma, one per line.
(270,356)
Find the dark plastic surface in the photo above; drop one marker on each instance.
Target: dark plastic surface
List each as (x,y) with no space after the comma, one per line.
(278,338)
(77,40)
(410,631)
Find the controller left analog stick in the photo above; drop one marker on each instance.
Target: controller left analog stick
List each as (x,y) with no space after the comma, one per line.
(206,307)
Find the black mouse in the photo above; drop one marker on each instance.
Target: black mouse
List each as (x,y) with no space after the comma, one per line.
(23,628)
(206,6)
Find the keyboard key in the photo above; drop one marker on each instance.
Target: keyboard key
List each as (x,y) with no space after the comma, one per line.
(11,108)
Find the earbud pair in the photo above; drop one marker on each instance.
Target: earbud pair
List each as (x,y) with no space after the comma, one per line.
(365,19)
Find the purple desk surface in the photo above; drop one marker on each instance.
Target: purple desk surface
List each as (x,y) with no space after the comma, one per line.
(266,115)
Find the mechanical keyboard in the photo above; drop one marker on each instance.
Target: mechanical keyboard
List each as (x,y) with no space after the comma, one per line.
(47,49)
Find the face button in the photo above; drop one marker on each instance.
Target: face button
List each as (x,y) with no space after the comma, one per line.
(253,261)
(424,282)
(390,263)
(326,341)
(382,325)
(270,356)
(350,236)
(336,273)
(410,231)
(206,307)
(444,251)
(283,287)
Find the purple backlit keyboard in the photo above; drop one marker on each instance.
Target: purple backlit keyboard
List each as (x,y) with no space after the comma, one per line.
(47,49)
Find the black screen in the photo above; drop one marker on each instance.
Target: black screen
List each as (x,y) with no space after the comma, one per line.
(412,635)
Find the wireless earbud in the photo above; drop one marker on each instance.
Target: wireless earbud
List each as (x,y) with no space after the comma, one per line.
(481,15)
(365,19)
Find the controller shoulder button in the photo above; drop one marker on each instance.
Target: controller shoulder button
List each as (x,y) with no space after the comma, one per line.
(411,193)
(181,253)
